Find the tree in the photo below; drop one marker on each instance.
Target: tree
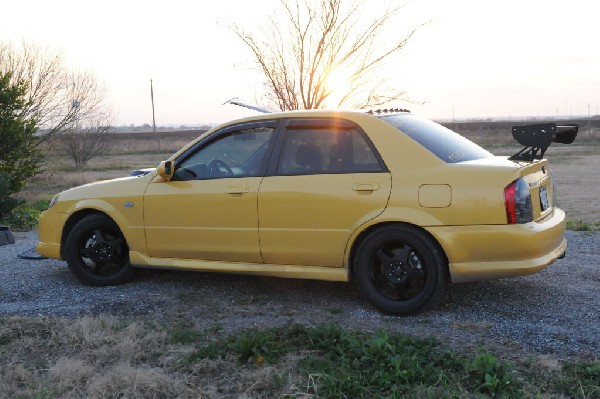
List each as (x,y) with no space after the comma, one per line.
(51,88)
(59,100)
(87,139)
(19,156)
(85,135)
(315,42)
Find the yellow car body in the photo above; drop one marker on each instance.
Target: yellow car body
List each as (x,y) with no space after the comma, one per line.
(315,224)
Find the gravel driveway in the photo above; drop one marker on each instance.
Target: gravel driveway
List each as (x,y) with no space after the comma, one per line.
(556,311)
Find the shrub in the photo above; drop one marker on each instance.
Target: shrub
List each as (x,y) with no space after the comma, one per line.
(23,218)
(7,203)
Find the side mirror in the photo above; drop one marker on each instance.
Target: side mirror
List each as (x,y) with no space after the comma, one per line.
(165,170)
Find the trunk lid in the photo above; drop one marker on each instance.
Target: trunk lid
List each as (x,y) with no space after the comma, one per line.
(541,187)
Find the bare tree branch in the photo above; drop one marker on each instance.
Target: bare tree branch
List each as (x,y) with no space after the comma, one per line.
(88,138)
(53,89)
(312,41)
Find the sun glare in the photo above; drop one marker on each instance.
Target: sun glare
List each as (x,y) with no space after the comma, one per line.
(339,85)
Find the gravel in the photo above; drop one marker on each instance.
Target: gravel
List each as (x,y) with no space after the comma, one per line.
(554,312)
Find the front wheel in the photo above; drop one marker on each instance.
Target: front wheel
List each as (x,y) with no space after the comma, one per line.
(97,253)
(400,270)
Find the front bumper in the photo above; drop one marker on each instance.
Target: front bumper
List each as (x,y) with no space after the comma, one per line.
(490,252)
(49,233)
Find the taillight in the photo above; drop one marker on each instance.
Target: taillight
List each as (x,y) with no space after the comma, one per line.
(517,202)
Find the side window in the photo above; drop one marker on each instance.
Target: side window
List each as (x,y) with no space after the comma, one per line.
(363,156)
(323,150)
(241,153)
(304,151)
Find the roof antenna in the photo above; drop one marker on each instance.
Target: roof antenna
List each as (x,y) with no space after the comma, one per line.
(153,119)
(237,101)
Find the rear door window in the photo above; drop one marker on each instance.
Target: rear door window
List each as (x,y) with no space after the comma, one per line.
(320,146)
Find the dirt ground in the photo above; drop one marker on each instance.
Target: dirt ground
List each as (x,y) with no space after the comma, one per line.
(554,312)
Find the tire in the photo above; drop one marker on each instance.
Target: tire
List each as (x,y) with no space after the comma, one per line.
(401,270)
(97,253)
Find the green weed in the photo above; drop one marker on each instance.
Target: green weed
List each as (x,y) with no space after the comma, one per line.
(185,335)
(491,376)
(580,380)
(582,225)
(344,363)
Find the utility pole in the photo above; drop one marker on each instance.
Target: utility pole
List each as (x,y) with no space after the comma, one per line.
(153,119)
(589,123)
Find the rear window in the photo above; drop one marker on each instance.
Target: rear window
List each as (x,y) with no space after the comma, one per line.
(447,145)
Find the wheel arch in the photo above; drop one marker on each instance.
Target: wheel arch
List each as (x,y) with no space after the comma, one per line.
(372,228)
(75,218)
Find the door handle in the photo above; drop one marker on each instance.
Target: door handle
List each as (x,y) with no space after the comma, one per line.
(360,187)
(237,189)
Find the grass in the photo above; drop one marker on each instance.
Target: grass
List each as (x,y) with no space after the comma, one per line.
(582,225)
(107,357)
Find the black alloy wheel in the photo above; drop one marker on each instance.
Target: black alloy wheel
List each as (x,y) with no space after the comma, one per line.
(400,270)
(97,253)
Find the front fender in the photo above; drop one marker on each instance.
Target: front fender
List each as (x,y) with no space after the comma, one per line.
(126,212)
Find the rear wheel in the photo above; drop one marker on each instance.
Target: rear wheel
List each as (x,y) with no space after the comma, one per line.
(400,270)
(97,253)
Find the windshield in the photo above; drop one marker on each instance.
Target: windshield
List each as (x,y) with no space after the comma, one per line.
(447,145)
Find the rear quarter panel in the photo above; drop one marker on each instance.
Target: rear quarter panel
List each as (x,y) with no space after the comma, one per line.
(471,226)
(477,187)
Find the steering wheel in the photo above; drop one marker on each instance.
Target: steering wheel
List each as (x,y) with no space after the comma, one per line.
(218,166)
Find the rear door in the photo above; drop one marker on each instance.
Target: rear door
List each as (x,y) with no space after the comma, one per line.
(325,179)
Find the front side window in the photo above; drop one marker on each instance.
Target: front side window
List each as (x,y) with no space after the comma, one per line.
(327,149)
(240,153)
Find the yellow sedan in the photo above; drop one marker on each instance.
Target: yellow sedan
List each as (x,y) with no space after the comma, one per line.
(393,201)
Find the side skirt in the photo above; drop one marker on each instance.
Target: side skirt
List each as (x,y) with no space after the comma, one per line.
(287,271)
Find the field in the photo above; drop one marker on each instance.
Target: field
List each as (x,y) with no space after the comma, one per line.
(126,151)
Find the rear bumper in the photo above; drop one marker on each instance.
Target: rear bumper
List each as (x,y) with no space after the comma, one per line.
(491,252)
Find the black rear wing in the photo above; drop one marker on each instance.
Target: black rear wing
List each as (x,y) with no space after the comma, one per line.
(537,138)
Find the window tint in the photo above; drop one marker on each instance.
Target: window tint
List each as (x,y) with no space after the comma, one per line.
(327,150)
(241,153)
(449,146)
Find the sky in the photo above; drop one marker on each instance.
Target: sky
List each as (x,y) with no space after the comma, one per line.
(473,59)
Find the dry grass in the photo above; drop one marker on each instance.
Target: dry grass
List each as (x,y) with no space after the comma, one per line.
(125,152)
(106,357)
(137,143)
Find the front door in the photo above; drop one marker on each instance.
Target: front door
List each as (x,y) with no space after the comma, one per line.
(208,211)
